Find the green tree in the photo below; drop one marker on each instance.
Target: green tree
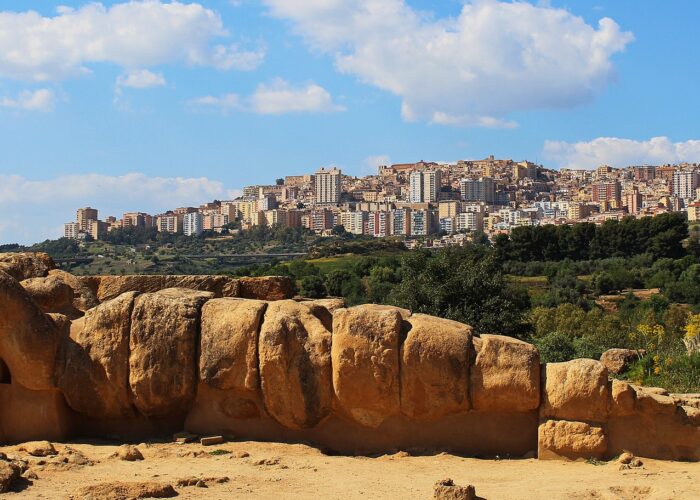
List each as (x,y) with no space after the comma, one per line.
(312,286)
(463,284)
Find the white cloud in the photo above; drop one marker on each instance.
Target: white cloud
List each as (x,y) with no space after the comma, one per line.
(140,79)
(36,209)
(276,98)
(372,163)
(134,34)
(492,59)
(618,152)
(30,100)
(280,97)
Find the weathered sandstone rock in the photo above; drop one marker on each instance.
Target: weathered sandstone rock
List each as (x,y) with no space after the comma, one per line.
(266,288)
(448,490)
(51,295)
(434,368)
(654,403)
(95,373)
(163,343)
(38,448)
(28,338)
(22,266)
(84,288)
(121,491)
(323,309)
(295,365)
(562,438)
(576,390)
(127,453)
(505,376)
(365,356)
(113,286)
(617,361)
(691,415)
(229,345)
(9,473)
(622,399)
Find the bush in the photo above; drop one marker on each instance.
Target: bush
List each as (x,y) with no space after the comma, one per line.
(674,373)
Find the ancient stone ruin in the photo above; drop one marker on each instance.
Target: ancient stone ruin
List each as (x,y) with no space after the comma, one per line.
(146,356)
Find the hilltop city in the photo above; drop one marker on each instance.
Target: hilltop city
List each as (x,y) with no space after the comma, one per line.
(435,203)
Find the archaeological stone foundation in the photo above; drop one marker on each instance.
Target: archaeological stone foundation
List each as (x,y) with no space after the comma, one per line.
(133,357)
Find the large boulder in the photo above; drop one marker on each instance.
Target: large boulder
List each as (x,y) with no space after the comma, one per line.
(51,295)
(163,344)
(113,286)
(435,368)
(84,288)
(572,440)
(22,266)
(294,354)
(505,376)
(229,346)
(29,339)
(95,373)
(622,399)
(365,356)
(266,288)
(576,390)
(618,361)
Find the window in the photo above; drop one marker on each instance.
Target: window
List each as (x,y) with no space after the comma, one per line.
(5,377)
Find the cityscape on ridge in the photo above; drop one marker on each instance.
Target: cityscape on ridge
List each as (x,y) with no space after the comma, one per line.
(350,249)
(445,204)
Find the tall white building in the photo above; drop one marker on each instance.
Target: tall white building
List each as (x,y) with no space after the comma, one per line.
(424,186)
(193,224)
(685,184)
(327,188)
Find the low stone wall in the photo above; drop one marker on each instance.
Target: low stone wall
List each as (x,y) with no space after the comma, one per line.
(149,361)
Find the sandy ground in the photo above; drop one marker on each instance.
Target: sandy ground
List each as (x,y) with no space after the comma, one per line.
(283,471)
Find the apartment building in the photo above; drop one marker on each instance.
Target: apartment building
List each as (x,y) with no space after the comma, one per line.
(193,224)
(327,186)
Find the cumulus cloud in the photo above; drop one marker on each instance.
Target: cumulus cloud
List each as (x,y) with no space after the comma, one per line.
(134,34)
(277,98)
(36,209)
(140,79)
(30,100)
(473,69)
(619,152)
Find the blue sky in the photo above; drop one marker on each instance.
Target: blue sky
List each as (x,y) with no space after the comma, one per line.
(194,100)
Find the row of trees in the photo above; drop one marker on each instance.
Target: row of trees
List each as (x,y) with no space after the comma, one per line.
(660,236)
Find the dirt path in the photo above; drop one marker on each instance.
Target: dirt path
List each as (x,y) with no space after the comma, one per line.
(282,471)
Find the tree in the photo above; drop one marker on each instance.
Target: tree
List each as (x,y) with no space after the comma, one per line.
(463,284)
(312,286)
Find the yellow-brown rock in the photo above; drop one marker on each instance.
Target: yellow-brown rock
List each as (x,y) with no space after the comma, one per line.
(51,295)
(29,339)
(505,376)
(84,288)
(113,286)
(323,309)
(434,368)
(294,353)
(573,440)
(622,399)
(576,390)
(95,373)
(266,288)
(163,343)
(229,345)
(22,266)
(365,356)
